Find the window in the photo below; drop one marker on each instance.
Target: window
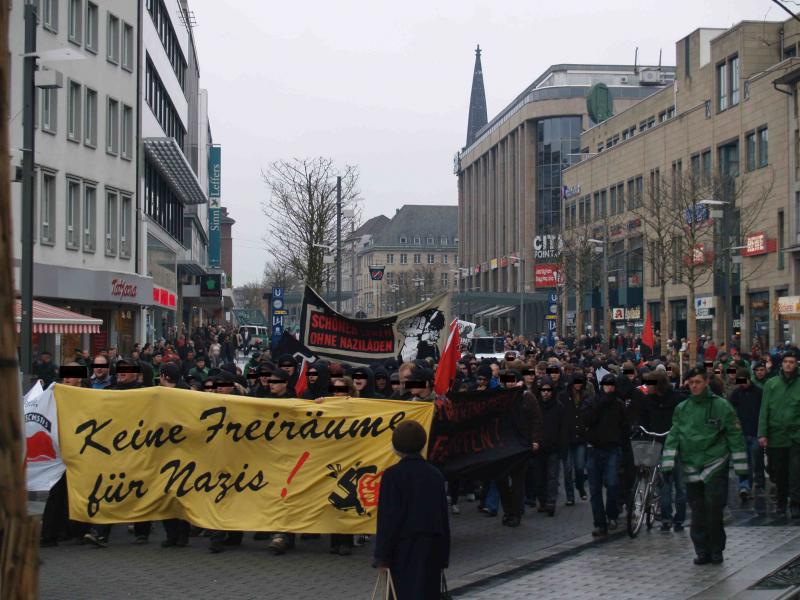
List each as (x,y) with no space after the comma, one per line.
(620,198)
(390,259)
(50,15)
(431,259)
(781,241)
(750,151)
(73,217)
(694,165)
(112,39)
(444,259)
(112,126)
(163,24)
(418,259)
(404,259)
(125,227)
(403,239)
(729,159)
(722,87)
(111,223)
(733,66)
(127,132)
(429,240)
(48,208)
(49,110)
(161,106)
(74,94)
(763,148)
(74,20)
(443,240)
(127,47)
(444,280)
(613,198)
(90,119)
(638,192)
(161,203)
(417,240)
(706,159)
(655,186)
(89,218)
(92,27)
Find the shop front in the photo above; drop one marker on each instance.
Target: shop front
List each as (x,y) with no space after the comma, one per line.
(758,317)
(788,308)
(117,300)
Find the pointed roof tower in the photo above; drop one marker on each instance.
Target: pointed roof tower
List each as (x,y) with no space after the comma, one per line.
(477,101)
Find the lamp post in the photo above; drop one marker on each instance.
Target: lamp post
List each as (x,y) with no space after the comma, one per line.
(519,263)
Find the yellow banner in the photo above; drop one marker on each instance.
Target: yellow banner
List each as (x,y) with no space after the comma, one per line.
(228,462)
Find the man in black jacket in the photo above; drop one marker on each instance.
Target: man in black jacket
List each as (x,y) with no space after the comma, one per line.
(605,422)
(555,438)
(746,399)
(413,535)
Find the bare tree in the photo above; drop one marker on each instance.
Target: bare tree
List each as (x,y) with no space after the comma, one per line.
(693,225)
(580,264)
(302,216)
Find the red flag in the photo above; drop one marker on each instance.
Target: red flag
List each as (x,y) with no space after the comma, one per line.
(648,339)
(448,365)
(302,381)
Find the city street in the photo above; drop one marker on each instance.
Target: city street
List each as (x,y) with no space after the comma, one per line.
(546,557)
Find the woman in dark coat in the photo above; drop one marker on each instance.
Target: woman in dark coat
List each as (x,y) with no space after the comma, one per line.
(413,537)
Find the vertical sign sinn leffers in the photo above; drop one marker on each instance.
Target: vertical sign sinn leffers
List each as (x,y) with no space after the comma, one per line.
(214,211)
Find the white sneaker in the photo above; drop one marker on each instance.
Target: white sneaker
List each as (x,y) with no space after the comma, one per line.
(470,497)
(454,509)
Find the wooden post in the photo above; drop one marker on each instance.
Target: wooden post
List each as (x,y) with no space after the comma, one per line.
(19,560)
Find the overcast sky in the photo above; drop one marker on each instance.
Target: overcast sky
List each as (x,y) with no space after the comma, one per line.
(386,86)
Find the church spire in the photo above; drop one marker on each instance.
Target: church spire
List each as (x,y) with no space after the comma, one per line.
(477,101)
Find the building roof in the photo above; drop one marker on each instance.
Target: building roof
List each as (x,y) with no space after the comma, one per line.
(371,226)
(420,220)
(477,101)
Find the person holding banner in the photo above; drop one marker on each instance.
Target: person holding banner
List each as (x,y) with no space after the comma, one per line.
(413,534)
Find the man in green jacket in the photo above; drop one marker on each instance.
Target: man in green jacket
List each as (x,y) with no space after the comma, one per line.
(779,433)
(706,434)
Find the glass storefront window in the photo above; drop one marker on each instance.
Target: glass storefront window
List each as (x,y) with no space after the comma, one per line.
(759,320)
(557,147)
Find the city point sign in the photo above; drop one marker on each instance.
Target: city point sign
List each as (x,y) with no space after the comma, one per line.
(547,246)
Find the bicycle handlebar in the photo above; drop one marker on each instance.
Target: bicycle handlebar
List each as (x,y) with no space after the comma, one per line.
(659,435)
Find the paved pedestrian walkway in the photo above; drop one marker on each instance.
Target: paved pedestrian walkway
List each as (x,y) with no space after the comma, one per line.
(654,566)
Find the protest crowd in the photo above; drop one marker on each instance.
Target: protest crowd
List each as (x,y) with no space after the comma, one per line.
(578,403)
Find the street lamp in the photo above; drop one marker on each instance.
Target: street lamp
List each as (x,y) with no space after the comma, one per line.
(601,246)
(519,263)
(727,259)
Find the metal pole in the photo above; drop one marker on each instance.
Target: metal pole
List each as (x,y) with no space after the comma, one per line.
(338,244)
(28,143)
(606,303)
(727,257)
(521,298)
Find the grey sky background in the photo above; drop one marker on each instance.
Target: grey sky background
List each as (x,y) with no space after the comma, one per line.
(386,86)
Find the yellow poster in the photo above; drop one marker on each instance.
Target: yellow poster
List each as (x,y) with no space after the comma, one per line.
(228,462)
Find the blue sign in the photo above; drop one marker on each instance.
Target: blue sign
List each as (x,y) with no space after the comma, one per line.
(277,310)
(214,237)
(552,298)
(215,173)
(551,325)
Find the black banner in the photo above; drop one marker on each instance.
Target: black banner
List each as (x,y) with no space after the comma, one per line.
(288,344)
(475,435)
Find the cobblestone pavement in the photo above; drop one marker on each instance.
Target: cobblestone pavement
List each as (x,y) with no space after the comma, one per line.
(654,565)
(126,570)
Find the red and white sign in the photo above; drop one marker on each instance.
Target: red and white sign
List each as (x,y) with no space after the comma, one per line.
(546,275)
(123,289)
(162,297)
(698,255)
(757,244)
(618,314)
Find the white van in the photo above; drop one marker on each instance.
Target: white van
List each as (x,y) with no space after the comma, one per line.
(254,336)
(488,347)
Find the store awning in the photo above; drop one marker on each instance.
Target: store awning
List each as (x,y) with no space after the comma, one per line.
(171,163)
(485,312)
(51,319)
(503,310)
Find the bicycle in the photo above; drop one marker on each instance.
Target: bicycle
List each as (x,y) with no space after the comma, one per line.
(644,506)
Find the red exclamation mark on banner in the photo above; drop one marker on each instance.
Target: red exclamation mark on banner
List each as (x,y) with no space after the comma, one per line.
(299,464)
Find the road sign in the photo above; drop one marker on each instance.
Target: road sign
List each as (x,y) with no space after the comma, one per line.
(618,314)
(553,309)
(278,311)
(551,325)
(552,298)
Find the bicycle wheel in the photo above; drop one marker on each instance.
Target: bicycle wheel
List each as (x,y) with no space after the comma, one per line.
(653,512)
(638,504)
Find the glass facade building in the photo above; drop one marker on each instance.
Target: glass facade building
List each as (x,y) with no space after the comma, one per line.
(557,147)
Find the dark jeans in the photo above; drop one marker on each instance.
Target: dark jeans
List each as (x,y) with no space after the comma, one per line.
(512,490)
(669,481)
(177,529)
(755,464)
(785,472)
(340,539)
(139,529)
(708,500)
(575,470)
(602,465)
(546,467)
(55,518)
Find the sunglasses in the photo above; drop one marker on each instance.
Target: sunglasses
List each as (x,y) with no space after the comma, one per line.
(338,388)
(628,371)
(128,369)
(414,383)
(650,382)
(72,372)
(286,365)
(99,365)
(579,381)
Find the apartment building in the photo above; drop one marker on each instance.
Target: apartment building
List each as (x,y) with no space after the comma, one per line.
(719,150)
(87,254)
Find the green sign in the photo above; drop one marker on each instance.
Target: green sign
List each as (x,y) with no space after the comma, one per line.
(211,286)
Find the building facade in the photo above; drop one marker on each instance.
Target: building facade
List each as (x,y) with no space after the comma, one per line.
(417,248)
(87,256)
(510,187)
(718,151)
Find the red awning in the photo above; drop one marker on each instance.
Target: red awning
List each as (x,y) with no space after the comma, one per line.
(51,319)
